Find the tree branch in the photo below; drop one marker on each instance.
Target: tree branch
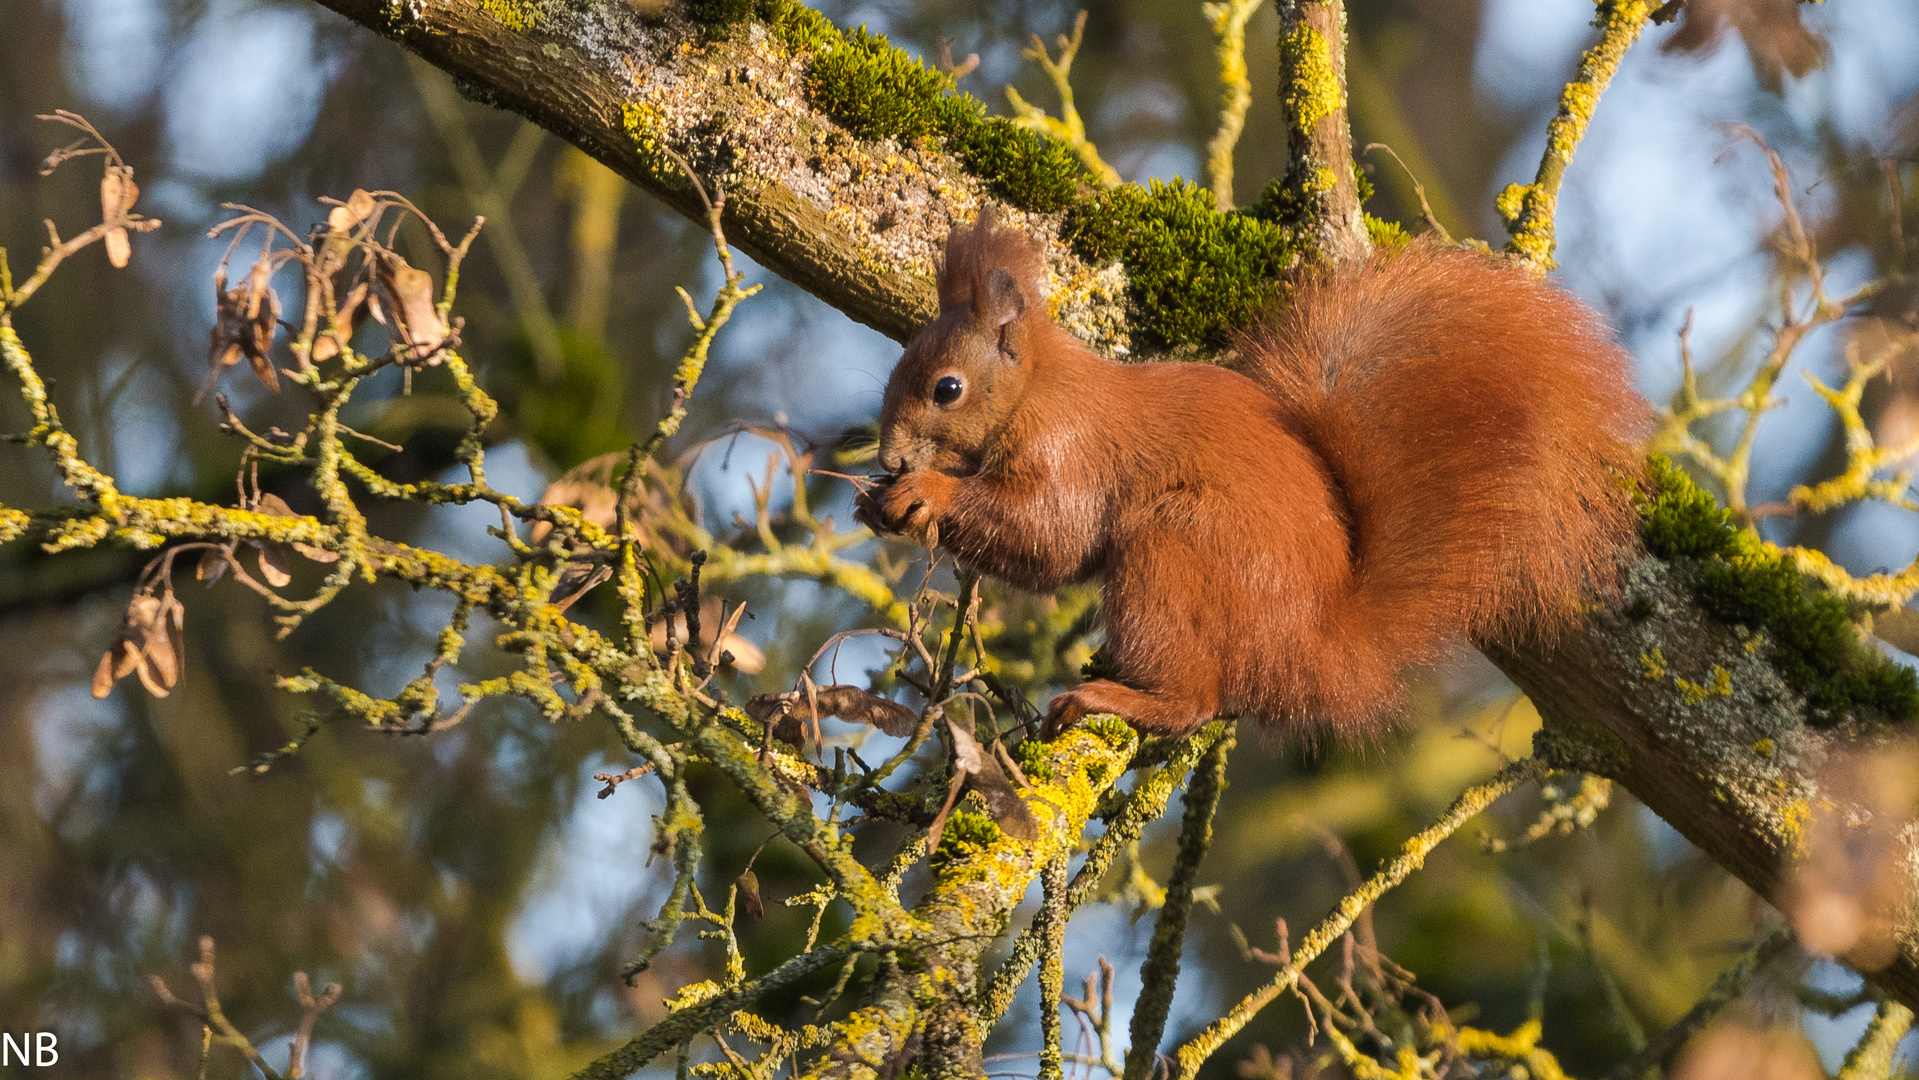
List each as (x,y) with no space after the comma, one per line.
(854,211)
(1319,152)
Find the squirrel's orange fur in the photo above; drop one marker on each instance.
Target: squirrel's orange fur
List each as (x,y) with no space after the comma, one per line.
(1432,446)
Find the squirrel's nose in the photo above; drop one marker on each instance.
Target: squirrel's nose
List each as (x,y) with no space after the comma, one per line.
(893,461)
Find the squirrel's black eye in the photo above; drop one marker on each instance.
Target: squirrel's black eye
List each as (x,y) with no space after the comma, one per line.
(947,390)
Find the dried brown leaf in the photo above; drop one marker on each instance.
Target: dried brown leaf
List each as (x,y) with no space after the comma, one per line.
(1773,31)
(985,776)
(409,291)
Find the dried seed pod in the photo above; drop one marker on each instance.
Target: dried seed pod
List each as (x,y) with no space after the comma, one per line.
(269,503)
(211,567)
(273,563)
(750,901)
(595,501)
(144,645)
(794,708)
(117,193)
(353,311)
(747,657)
(246,317)
(985,775)
(410,302)
(343,218)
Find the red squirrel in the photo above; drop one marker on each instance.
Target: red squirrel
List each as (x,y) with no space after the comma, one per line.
(1432,446)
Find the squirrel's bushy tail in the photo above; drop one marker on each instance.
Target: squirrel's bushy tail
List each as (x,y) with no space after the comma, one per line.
(1482,425)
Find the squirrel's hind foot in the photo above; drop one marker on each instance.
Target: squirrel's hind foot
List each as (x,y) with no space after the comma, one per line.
(1150,713)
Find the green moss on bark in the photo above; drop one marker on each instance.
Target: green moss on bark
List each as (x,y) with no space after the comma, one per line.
(1741,581)
(1195,274)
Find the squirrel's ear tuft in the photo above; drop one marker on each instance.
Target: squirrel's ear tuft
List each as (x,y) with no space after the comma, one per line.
(996,271)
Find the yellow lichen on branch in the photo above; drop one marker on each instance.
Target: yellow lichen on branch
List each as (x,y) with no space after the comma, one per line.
(1528,209)
(1228,19)
(1067,127)
(1194,1052)
(1860,480)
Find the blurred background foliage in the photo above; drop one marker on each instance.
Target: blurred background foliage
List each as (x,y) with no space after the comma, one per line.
(468,890)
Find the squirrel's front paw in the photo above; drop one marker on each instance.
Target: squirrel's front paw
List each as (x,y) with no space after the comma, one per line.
(911,504)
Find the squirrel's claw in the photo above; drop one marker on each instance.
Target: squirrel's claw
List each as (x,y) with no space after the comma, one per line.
(1066,711)
(867,510)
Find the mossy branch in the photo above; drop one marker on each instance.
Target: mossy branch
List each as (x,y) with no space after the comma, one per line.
(1724,725)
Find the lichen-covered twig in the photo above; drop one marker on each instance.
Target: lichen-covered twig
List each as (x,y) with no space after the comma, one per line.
(1052,923)
(1528,209)
(1194,1051)
(218,1027)
(1872,1057)
(690,1020)
(1159,973)
(1419,192)
(1142,807)
(707,327)
(1228,18)
(1725,989)
(1865,458)
(1067,127)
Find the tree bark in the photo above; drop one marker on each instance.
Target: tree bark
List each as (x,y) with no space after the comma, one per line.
(1636,694)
